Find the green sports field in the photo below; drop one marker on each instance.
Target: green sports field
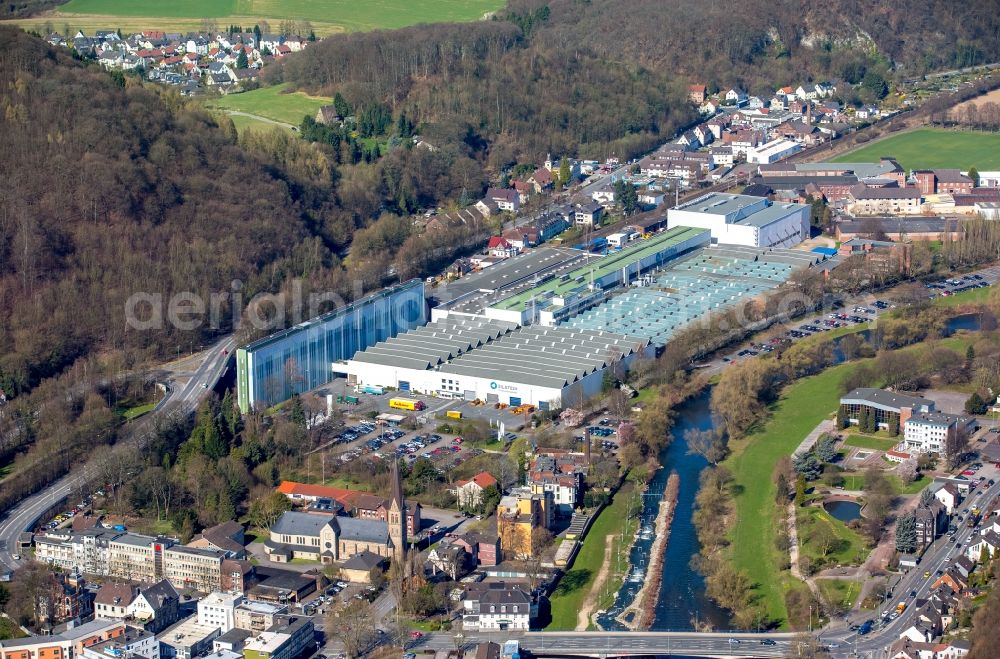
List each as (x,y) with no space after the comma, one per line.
(927,148)
(326,16)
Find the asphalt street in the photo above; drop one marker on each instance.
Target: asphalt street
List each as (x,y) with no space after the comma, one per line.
(180,399)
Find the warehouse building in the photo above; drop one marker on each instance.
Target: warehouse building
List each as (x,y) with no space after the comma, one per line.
(496,361)
(471,294)
(708,280)
(298,359)
(744,220)
(560,297)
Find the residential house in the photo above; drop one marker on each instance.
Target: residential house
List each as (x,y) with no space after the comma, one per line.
(709,107)
(587,213)
(867,112)
(931,520)
(499,247)
(560,473)
(755,103)
(722,156)
(736,96)
(689,140)
(919,632)
(542,179)
(949,497)
(483,550)
(505,199)
(154,607)
(89,633)
(448,558)
(524,190)
(989,542)
(328,116)
(225,537)
(953,580)
(470,493)
(696,94)
(496,606)
(519,237)
(703,133)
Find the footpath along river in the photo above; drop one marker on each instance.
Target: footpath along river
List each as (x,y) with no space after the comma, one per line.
(682,601)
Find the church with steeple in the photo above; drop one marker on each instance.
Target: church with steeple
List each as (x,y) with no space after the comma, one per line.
(397,516)
(322,534)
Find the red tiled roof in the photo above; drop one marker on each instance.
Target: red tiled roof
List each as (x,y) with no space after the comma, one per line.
(482,479)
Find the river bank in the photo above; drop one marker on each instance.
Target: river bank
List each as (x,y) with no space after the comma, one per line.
(641,614)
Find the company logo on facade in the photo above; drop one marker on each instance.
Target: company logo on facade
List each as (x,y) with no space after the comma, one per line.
(502,387)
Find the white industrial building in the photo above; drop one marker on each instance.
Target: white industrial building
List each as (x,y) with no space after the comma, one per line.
(744,220)
(772,151)
(496,361)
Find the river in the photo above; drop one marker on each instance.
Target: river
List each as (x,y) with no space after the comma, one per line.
(682,596)
(682,600)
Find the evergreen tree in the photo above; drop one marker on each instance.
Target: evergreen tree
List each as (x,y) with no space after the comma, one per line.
(975,404)
(340,103)
(906,533)
(970,356)
(296,413)
(241,61)
(894,425)
(973,174)
(842,421)
(826,448)
(256,35)
(926,497)
(800,490)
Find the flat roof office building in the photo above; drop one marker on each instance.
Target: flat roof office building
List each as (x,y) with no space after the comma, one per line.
(744,220)
(298,359)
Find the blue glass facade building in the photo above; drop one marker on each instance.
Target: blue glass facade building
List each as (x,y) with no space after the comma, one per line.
(300,358)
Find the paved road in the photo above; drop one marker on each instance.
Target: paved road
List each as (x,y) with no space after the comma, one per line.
(600,644)
(182,399)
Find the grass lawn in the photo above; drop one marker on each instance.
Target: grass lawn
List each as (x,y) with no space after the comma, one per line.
(153,526)
(327,17)
(801,406)
(927,148)
(132,412)
(271,103)
(973,296)
(841,593)
(9,630)
(865,441)
(567,598)
(850,550)
(345,484)
(244,124)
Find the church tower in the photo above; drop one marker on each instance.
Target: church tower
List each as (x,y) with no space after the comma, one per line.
(397,516)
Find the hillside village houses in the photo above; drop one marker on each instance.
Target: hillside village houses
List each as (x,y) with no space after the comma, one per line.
(189,61)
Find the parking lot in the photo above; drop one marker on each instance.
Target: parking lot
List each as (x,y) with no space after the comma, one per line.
(865,312)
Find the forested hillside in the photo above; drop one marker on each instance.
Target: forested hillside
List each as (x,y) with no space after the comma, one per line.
(112,188)
(600,77)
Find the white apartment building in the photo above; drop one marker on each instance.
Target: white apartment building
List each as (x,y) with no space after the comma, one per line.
(187,567)
(256,616)
(929,432)
(219,609)
(132,557)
